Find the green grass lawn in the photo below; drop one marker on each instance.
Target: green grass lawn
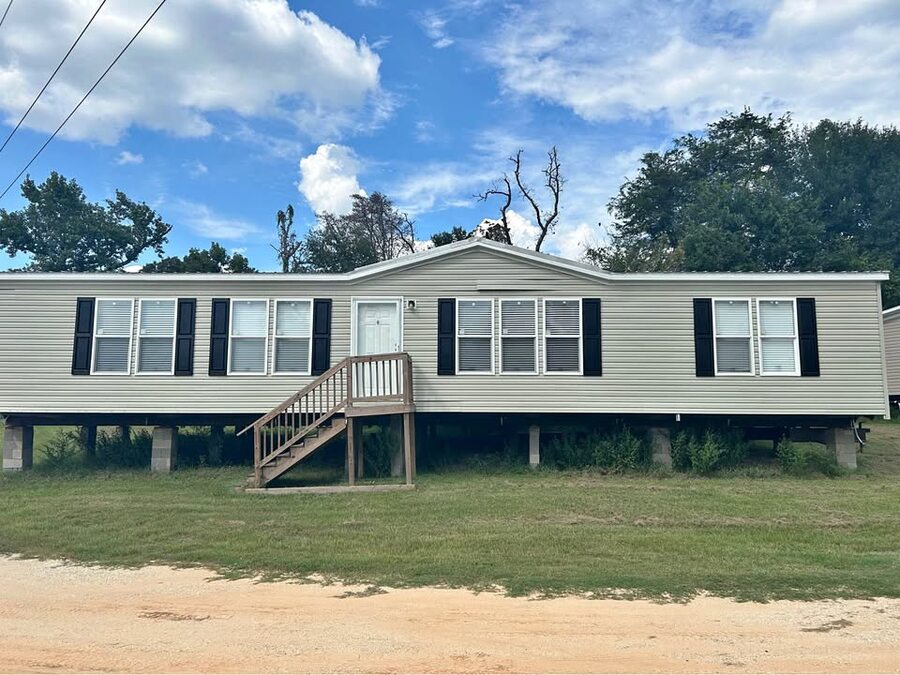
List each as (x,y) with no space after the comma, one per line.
(751,536)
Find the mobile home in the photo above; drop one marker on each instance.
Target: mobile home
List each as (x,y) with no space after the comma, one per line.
(475,327)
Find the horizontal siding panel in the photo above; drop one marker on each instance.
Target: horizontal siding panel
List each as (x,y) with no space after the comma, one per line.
(648,350)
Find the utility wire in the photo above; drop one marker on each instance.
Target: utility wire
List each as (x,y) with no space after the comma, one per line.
(47,84)
(84,98)
(6,11)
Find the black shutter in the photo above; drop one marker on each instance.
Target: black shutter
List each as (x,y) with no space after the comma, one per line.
(218,337)
(184,336)
(446,356)
(809,337)
(703,337)
(592,360)
(84,336)
(321,346)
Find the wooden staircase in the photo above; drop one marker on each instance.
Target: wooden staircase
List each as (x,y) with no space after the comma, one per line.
(358,386)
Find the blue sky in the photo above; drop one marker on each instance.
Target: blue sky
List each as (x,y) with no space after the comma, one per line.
(225,111)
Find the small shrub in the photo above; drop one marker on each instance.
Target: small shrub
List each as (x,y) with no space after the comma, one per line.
(805,459)
(63,451)
(616,450)
(569,451)
(681,450)
(708,450)
(133,451)
(621,450)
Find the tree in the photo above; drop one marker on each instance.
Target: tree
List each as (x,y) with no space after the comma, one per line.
(63,232)
(449,236)
(373,231)
(288,249)
(758,193)
(213,259)
(546,219)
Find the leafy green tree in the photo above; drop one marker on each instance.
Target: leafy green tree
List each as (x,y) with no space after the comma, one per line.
(373,231)
(758,193)
(449,236)
(213,259)
(63,232)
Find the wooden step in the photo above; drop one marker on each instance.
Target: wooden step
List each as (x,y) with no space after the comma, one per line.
(299,451)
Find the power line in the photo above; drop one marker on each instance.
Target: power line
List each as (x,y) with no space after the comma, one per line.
(3,18)
(47,84)
(84,98)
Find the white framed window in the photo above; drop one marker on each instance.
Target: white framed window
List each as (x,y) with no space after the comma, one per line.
(248,337)
(562,336)
(156,336)
(779,348)
(292,351)
(518,336)
(113,327)
(475,336)
(733,336)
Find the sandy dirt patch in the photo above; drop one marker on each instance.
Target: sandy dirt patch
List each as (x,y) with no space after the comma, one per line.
(56,617)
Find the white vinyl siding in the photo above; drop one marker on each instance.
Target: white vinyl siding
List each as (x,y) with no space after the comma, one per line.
(475,336)
(518,336)
(562,336)
(248,337)
(112,336)
(779,348)
(293,337)
(156,337)
(733,336)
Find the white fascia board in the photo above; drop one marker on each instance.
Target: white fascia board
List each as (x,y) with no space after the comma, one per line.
(423,257)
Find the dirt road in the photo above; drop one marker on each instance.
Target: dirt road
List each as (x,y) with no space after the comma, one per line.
(57,617)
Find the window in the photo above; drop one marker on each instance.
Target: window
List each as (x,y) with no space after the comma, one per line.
(778,345)
(293,336)
(156,337)
(249,337)
(112,336)
(562,336)
(475,336)
(733,337)
(518,336)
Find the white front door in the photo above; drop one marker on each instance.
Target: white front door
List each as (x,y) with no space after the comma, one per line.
(377,332)
(377,327)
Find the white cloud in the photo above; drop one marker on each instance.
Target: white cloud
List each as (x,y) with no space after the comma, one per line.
(196,168)
(435,27)
(126,157)
(690,62)
(523,232)
(253,58)
(440,185)
(328,178)
(205,222)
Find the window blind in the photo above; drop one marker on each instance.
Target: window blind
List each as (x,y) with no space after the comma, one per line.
(293,335)
(475,345)
(562,336)
(518,338)
(112,336)
(249,335)
(156,336)
(778,337)
(733,336)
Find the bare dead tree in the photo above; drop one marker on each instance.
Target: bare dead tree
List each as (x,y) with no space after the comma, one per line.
(501,188)
(553,181)
(289,245)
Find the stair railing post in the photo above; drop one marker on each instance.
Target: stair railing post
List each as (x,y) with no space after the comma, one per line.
(408,381)
(351,371)
(256,455)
